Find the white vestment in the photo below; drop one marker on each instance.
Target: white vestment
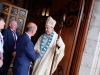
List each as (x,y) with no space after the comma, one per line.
(43,66)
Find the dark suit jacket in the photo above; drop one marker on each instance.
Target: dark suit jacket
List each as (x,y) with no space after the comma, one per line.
(24,55)
(8,40)
(8,50)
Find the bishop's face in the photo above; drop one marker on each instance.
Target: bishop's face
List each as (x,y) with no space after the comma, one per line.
(48,29)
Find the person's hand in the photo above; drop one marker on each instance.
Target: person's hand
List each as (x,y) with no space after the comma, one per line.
(38,50)
(1,63)
(58,42)
(13,54)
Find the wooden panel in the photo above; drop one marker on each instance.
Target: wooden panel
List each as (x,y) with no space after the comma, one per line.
(81,38)
(73,9)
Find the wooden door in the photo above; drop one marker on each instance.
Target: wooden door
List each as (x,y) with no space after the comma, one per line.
(74,10)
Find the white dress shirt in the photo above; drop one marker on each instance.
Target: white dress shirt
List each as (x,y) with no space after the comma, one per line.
(1,43)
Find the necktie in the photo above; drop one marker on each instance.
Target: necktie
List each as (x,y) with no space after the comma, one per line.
(14,35)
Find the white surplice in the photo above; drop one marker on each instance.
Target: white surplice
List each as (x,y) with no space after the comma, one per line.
(42,66)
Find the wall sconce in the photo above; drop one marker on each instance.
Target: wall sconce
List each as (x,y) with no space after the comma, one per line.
(45,11)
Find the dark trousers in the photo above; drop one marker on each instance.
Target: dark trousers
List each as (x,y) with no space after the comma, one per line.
(6,63)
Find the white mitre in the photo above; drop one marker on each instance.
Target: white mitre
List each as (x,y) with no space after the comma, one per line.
(50,22)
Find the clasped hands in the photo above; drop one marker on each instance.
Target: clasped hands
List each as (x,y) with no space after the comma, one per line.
(38,51)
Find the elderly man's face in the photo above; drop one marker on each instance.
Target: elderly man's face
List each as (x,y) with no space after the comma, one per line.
(48,29)
(13,25)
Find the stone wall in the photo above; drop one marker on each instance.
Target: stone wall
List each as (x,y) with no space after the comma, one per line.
(90,64)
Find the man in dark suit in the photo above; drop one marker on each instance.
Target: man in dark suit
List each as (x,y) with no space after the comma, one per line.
(9,46)
(25,53)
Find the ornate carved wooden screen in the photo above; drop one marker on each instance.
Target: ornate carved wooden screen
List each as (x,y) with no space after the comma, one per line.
(74,10)
(15,13)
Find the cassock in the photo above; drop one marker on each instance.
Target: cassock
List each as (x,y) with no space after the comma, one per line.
(42,65)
